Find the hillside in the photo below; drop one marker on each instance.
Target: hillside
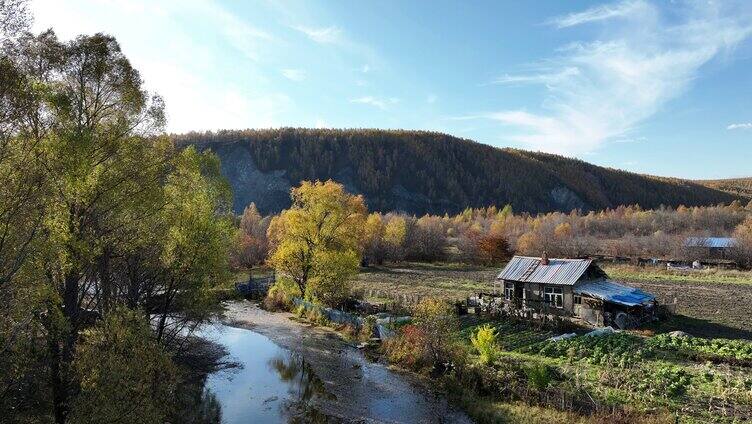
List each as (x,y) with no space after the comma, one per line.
(426,172)
(736,186)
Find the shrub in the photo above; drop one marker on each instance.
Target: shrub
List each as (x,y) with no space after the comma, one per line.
(484,341)
(408,348)
(438,322)
(280,295)
(539,376)
(123,372)
(368,329)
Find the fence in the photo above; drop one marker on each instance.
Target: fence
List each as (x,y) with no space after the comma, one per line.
(256,287)
(340,317)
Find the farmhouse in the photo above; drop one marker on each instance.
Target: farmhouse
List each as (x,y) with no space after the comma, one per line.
(575,288)
(710,247)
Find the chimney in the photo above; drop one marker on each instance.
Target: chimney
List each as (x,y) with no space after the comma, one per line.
(544,258)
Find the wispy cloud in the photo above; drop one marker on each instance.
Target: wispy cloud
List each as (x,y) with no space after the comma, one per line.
(380,103)
(742,126)
(599,13)
(538,78)
(242,36)
(601,89)
(296,75)
(325,35)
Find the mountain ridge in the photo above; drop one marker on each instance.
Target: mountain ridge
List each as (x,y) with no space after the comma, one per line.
(430,172)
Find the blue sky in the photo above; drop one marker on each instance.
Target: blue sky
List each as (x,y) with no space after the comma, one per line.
(657,87)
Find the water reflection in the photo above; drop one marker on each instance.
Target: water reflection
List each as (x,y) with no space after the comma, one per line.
(273,386)
(304,384)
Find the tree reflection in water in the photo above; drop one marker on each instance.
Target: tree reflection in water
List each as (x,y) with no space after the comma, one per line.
(304,386)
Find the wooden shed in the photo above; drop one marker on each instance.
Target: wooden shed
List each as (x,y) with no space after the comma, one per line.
(576,288)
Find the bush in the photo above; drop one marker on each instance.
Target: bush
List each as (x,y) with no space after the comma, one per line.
(539,376)
(484,341)
(280,295)
(368,329)
(123,372)
(408,348)
(438,322)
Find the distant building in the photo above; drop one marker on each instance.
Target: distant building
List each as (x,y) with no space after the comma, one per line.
(710,247)
(575,288)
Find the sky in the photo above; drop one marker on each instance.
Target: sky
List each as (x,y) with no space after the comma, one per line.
(662,87)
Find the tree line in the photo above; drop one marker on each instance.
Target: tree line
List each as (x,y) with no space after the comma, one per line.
(489,236)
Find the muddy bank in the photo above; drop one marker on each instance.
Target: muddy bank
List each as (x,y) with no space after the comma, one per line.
(361,391)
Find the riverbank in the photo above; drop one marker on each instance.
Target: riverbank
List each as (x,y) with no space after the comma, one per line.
(362,391)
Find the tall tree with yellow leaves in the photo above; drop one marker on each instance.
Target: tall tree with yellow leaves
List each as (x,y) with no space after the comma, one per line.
(316,243)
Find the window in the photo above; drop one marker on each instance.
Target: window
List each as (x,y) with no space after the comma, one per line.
(554,296)
(577,299)
(508,291)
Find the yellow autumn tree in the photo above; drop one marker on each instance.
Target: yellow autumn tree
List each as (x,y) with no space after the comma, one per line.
(316,243)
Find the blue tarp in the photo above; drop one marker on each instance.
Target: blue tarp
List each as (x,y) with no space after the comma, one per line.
(610,291)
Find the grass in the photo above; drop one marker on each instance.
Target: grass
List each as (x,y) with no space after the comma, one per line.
(648,274)
(710,303)
(632,379)
(640,375)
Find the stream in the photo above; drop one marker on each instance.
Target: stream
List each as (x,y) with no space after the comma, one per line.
(294,373)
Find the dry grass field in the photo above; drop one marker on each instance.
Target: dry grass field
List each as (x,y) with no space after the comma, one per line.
(709,303)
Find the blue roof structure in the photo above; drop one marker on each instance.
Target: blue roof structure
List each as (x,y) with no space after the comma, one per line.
(712,242)
(613,292)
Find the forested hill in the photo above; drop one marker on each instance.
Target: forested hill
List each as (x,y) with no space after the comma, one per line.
(427,172)
(737,186)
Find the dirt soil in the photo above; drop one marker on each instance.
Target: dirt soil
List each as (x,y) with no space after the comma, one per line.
(364,391)
(707,309)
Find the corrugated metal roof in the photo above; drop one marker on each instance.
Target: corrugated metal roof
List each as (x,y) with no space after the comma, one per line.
(714,242)
(613,292)
(558,271)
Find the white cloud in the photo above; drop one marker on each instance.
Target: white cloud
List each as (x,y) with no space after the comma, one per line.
(742,126)
(294,74)
(380,103)
(599,13)
(175,62)
(431,98)
(365,69)
(326,35)
(243,37)
(538,78)
(600,90)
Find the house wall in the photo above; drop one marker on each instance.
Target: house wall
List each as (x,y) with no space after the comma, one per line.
(534,298)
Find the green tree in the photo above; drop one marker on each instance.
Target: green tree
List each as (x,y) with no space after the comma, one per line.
(124,374)
(99,209)
(317,241)
(197,240)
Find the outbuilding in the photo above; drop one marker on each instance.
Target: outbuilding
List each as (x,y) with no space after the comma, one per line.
(576,288)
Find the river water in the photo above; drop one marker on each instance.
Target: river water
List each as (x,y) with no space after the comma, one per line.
(277,385)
